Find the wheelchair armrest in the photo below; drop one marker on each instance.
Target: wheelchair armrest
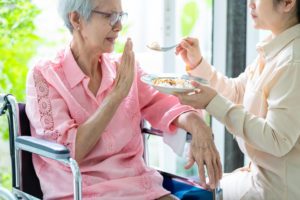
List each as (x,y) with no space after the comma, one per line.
(153,131)
(42,147)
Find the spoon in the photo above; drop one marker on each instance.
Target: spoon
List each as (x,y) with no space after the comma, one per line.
(156,47)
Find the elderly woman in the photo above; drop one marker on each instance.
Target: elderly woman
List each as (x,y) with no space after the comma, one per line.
(93,104)
(260,107)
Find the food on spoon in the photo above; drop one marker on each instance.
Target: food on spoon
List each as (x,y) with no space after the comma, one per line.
(154,45)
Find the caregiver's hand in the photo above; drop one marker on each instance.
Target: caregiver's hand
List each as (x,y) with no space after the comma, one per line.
(200,98)
(190,52)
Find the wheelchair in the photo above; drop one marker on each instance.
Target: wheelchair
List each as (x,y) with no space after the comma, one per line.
(25,183)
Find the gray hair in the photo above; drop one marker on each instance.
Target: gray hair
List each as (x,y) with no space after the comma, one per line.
(82,7)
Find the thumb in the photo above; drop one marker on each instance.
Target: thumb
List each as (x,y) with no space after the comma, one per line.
(189,164)
(186,45)
(118,70)
(117,66)
(197,84)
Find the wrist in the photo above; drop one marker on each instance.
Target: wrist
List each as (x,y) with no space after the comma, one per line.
(115,97)
(191,67)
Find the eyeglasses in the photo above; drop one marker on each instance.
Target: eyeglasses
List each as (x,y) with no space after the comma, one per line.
(113,17)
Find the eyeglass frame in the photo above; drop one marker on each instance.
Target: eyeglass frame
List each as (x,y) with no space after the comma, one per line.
(120,16)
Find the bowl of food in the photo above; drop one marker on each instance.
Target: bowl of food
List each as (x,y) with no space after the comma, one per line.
(168,84)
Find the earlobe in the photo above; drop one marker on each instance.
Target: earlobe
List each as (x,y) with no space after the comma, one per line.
(289,5)
(74,18)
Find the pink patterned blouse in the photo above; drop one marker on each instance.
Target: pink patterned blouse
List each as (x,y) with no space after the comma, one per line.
(58,101)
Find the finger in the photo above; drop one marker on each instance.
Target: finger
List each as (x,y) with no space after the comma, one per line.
(118,71)
(180,94)
(181,51)
(211,173)
(219,165)
(217,171)
(189,164)
(130,44)
(132,61)
(186,45)
(192,41)
(196,84)
(117,68)
(201,172)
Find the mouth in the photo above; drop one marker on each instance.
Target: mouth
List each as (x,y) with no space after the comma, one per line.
(253,15)
(111,39)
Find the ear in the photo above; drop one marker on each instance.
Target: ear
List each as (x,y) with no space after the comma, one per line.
(74,18)
(288,5)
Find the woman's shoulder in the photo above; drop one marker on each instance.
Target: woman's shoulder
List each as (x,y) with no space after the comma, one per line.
(290,54)
(50,62)
(295,49)
(46,64)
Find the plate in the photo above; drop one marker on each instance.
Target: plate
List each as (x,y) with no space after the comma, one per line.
(163,82)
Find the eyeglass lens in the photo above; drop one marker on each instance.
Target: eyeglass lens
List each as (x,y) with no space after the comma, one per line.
(117,17)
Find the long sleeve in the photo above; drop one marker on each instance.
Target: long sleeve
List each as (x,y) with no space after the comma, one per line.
(278,132)
(48,112)
(231,88)
(159,109)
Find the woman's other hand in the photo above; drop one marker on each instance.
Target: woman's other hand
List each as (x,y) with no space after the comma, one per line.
(190,52)
(202,150)
(125,70)
(200,98)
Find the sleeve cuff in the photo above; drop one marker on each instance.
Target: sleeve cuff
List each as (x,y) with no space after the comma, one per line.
(173,114)
(203,70)
(219,107)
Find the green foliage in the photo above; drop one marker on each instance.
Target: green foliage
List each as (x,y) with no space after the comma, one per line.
(17,45)
(5,180)
(119,46)
(189,17)
(209,3)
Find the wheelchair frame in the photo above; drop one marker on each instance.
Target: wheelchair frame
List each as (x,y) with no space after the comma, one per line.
(37,146)
(51,150)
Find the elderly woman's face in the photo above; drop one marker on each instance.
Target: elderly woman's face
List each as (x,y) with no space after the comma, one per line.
(100,32)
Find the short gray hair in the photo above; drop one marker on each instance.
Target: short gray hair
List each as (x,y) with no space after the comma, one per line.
(82,7)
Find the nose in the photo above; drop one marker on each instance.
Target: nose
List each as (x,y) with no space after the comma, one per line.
(251,4)
(117,26)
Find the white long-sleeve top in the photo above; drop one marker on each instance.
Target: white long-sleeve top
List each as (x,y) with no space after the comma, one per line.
(261,108)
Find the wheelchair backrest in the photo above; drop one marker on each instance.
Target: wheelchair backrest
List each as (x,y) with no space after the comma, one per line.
(30,182)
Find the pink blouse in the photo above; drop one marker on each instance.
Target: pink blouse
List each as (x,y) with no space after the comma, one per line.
(58,101)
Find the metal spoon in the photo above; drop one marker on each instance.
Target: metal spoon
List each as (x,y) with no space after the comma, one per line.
(156,47)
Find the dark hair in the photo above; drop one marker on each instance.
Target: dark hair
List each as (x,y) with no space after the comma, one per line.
(297,8)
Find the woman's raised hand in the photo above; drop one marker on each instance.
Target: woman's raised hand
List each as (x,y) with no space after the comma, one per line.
(190,52)
(125,70)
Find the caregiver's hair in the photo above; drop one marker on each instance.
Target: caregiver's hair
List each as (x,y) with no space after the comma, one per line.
(297,7)
(82,7)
